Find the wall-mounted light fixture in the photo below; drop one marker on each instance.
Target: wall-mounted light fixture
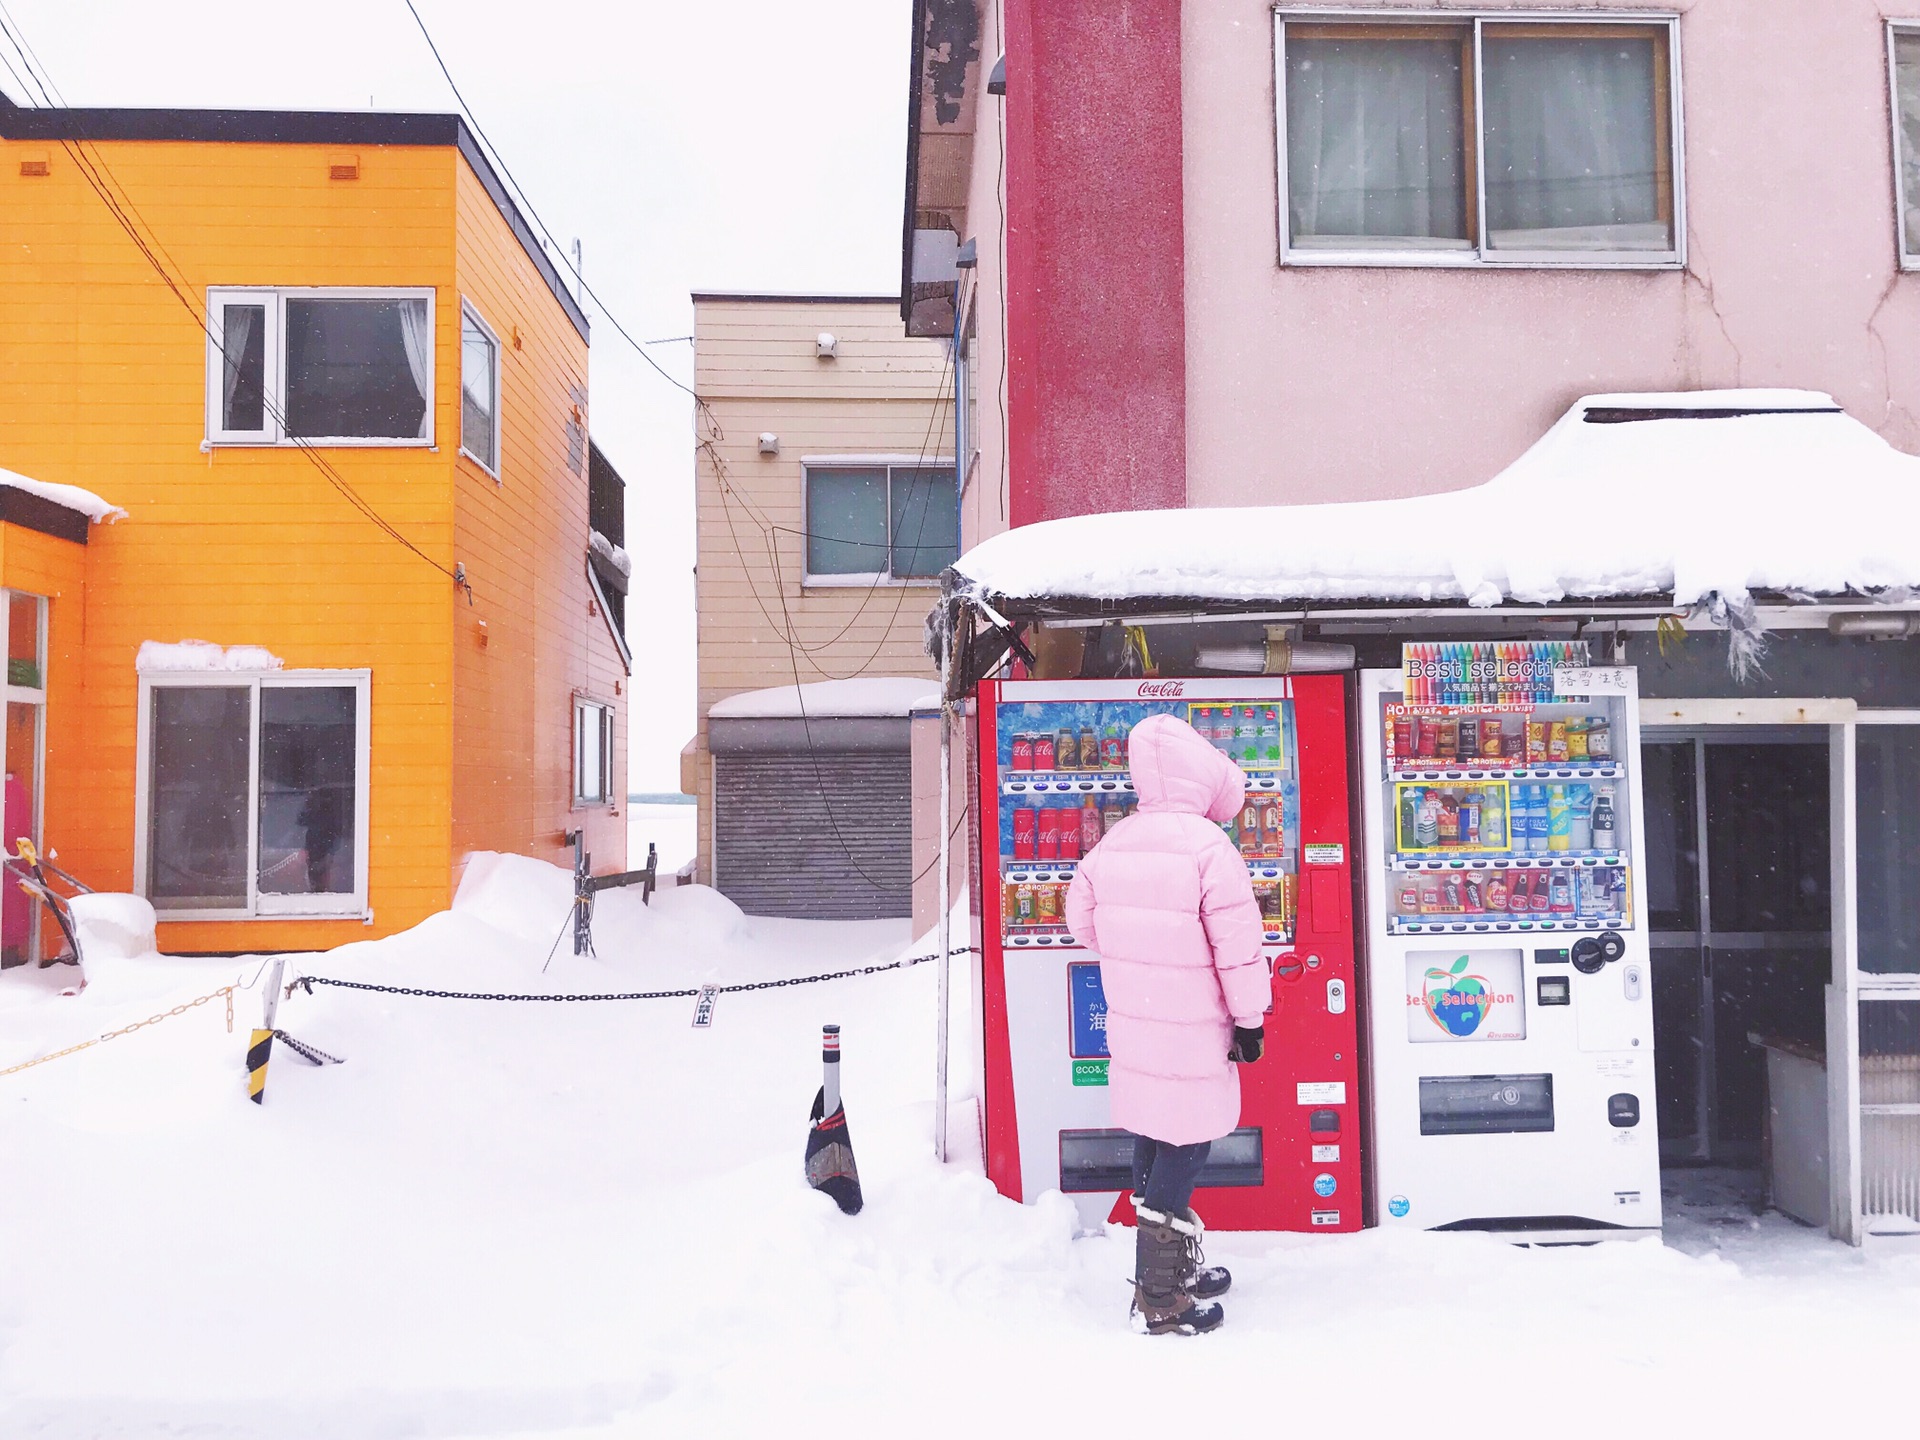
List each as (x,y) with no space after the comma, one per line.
(1873,624)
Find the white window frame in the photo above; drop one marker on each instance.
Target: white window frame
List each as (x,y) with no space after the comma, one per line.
(864,579)
(275,299)
(1482,257)
(605,800)
(1906,259)
(490,464)
(259,906)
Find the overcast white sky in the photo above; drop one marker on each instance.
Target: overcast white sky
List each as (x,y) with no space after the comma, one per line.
(730,144)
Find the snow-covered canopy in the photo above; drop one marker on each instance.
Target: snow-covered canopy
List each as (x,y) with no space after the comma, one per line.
(72,497)
(1705,493)
(862,696)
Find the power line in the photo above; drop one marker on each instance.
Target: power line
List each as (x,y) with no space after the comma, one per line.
(94,171)
(709,445)
(494,151)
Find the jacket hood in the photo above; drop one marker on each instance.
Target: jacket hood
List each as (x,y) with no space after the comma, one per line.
(1174,769)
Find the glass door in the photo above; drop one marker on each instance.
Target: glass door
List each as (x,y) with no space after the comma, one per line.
(1887,979)
(1739,889)
(22,751)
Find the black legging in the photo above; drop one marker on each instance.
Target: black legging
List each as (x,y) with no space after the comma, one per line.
(1163,1174)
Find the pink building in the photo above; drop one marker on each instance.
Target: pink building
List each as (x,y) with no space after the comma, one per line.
(1231,253)
(1261,254)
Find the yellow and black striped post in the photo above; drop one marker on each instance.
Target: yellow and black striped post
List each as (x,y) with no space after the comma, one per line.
(258,1049)
(260,1045)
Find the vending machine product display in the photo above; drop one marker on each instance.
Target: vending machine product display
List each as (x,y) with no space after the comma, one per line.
(1510,990)
(1053,780)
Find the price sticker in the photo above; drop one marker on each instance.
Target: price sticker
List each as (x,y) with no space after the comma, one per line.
(1593,680)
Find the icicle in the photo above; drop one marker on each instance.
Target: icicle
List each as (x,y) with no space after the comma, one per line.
(1746,637)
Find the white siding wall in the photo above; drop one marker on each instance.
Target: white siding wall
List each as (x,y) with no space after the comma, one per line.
(885,394)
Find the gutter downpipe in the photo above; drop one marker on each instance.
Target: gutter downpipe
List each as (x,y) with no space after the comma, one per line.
(945,929)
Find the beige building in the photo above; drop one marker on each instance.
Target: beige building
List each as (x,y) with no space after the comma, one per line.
(827,508)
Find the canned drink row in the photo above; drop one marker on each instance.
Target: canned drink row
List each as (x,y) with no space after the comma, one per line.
(1501,739)
(1067,748)
(1587,894)
(1067,832)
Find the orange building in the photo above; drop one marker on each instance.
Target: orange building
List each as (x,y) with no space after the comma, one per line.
(323,365)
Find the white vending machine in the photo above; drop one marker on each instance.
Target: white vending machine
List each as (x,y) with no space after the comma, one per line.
(1509,985)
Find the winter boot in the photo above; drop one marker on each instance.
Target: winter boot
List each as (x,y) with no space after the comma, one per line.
(1159,1294)
(1203,1281)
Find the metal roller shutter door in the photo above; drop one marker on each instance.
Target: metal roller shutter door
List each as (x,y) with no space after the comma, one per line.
(779,851)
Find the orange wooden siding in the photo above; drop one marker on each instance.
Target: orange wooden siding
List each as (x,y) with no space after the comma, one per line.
(42,565)
(523,542)
(102,384)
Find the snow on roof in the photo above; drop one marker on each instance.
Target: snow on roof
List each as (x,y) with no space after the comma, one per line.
(862,696)
(1691,494)
(71,496)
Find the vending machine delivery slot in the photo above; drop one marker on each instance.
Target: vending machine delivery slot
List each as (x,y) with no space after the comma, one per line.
(1053,780)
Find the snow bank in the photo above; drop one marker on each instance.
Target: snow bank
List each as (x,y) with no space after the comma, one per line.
(70,496)
(156,657)
(532,901)
(1805,499)
(589,1221)
(113,927)
(864,695)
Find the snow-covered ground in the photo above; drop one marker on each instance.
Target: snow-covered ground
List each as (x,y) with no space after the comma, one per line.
(587,1220)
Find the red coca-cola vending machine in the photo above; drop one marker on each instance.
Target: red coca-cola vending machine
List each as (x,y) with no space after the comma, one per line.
(1053,778)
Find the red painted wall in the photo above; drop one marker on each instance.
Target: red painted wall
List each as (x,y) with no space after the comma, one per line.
(1096,258)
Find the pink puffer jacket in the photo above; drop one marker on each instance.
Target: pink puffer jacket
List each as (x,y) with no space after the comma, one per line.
(1165,902)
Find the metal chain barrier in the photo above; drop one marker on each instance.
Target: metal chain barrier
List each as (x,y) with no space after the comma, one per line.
(307,982)
(225,991)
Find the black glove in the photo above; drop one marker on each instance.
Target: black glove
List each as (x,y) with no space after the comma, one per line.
(1248,1045)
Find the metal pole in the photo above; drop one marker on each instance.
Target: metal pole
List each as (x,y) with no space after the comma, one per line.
(830,1070)
(270,1002)
(945,930)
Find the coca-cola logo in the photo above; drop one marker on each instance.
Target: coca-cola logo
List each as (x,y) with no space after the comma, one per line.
(1161,689)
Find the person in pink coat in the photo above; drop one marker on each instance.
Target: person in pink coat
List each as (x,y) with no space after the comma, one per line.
(1165,901)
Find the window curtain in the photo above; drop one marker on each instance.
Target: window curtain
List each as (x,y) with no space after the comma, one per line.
(1374,143)
(1906,74)
(417,335)
(236,329)
(1572,144)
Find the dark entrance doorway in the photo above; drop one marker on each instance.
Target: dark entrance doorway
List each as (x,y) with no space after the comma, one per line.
(1739,893)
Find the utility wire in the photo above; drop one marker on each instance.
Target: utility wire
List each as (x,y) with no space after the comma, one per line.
(119,205)
(709,444)
(494,150)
